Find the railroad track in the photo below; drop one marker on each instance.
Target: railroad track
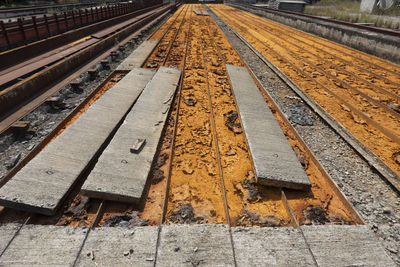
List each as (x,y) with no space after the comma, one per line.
(335,21)
(26,30)
(197,168)
(205,102)
(40,77)
(359,91)
(201,173)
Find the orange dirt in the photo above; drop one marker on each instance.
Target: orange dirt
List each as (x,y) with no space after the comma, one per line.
(360,91)
(194,174)
(207,106)
(244,196)
(157,35)
(161,52)
(195,191)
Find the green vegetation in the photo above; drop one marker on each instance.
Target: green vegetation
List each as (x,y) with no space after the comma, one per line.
(349,10)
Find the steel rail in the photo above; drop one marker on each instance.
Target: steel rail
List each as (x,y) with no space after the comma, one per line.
(328,74)
(19,8)
(335,21)
(29,217)
(283,33)
(358,219)
(353,56)
(81,62)
(170,25)
(210,103)
(99,214)
(174,38)
(163,36)
(26,221)
(22,53)
(284,199)
(171,153)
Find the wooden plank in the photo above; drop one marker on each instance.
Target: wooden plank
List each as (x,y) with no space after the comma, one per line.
(274,160)
(120,175)
(39,245)
(195,245)
(117,246)
(43,183)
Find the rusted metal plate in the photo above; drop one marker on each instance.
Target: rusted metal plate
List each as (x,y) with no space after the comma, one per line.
(10,76)
(29,94)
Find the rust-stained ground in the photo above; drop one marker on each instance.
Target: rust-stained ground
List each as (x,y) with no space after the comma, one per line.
(203,171)
(206,107)
(360,91)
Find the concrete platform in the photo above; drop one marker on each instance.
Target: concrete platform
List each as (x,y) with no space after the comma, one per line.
(195,245)
(274,160)
(119,174)
(43,183)
(116,246)
(7,232)
(139,56)
(39,245)
(255,246)
(345,245)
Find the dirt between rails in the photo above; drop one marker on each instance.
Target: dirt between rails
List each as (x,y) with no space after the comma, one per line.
(157,35)
(195,192)
(383,146)
(160,53)
(374,199)
(194,174)
(153,208)
(249,203)
(319,206)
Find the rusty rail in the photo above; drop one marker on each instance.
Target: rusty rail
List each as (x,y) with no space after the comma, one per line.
(335,21)
(24,31)
(33,89)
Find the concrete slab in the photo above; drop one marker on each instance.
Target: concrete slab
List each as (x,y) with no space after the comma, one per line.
(119,174)
(274,160)
(195,245)
(285,246)
(39,245)
(116,246)
(43,183)
(200,13)
(368,5)
(345,245)
(7,232)
(139,56)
